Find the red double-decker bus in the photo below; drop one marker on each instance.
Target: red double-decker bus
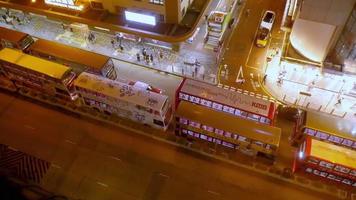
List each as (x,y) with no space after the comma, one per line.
(231,102)
(331,162)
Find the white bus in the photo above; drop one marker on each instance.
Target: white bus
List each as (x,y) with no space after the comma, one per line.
(113,97)
(245,106)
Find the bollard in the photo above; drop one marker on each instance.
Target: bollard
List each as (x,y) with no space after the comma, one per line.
(320,107)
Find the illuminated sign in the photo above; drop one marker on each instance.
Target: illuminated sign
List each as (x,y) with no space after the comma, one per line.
(140,18)
(65,3)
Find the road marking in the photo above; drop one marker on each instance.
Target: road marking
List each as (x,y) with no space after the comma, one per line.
(164,175)
(115,158)
(56,166)
(12,148)
(29,127)
(102,184)
(70,142)
(240,73)
(214,193)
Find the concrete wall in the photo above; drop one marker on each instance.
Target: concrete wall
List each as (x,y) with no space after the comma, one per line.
(333,12)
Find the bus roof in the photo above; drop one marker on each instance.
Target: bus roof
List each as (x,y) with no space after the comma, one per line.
(333,153)
(11,35)
(89,59)
(221,120)
(48,68)
(228,97)
(332,125)
(121,91)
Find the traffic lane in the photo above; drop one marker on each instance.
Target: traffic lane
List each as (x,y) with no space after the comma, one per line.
(97,158)
(257,56)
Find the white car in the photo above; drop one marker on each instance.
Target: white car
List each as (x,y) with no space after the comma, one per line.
(268,20)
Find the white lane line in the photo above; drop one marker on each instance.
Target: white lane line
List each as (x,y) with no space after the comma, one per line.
(115,158)
(56,166)
(12,148)
(70,142)
(214,193)
(102,184)
(29,127)
(164,175)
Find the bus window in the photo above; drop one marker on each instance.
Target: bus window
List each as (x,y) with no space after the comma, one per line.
(258,143)
(183,121)
(321,135)
(326,164)
(194,124)
(243,139)
(335,139)
(347,142)
(204,137)
(183,96)
(158,122)
(194,99)
(342,169)
(219,132)
(229,109)
(217,106)
(313,160)
(353,173)
(253,117)
(227,144)
(208,128)
(347,181)
(309,131)
(228,134)
(205,103)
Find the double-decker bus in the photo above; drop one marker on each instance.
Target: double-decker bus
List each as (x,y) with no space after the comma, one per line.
(30,73)
(327,128)
(244,106)
(78,59)
(113,97)
(203,123)
(14,39)
(326,160)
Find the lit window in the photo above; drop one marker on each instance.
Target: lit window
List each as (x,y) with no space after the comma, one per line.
(158,2)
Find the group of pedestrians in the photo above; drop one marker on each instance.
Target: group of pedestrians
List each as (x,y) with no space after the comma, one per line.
(10,18)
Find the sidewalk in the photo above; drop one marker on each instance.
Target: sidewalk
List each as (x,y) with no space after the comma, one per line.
(187,62)
(307,87)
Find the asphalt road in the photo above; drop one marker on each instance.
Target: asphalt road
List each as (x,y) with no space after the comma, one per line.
(241,52)
(91,160)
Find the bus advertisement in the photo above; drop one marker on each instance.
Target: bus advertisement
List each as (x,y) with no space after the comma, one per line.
(241,105)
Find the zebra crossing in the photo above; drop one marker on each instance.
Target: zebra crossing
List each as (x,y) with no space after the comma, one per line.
(22,165)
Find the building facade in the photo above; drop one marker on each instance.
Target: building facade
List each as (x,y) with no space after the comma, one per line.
(339,15)
(344,52)
(167,11)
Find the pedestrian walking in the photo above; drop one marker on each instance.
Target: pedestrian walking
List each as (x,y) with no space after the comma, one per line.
(144,52)
(113,43)
(339,101)
(160,54)
(138,57)
(264,79)
(151,58)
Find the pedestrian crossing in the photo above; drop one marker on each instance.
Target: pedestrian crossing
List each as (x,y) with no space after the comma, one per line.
(22,165)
